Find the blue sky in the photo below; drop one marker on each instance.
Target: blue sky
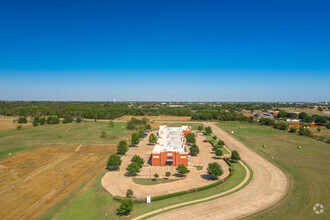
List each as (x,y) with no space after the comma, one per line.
(165,50)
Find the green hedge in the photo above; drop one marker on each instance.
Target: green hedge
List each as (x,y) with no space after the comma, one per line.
(157,198)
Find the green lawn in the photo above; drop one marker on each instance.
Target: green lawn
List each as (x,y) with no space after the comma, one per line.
(14,141)
(193,126)
(96,201)
(146,181)
(307,168)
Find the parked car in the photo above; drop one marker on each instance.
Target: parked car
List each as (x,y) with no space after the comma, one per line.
(205,141)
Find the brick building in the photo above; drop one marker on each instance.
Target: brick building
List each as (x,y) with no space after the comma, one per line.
(171,149)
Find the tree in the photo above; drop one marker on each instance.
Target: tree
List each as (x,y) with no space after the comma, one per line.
(218,152)
(293,129)
(200,128)
(122,147)
(320,109)
(148,126)
(111,124)
(303,116)
(190,138)
(126,206)
(141,133)
(318,129)
(129,193)
(282,114)
(328,126)
(281,125)
(304,131)
(133,168)
(22,120)
(137,159)
(135,139)
(182,170)
(53,120)
(78,119)
(235,156)
(221,143)
(168,174)
(35,121)
(152,139)
(114,162)
(256,115)
(215,138)
(214,170)
(194,150)
(156,175)
(67,119)
(208,130)
(42,121)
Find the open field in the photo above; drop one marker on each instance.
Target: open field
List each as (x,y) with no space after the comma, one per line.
(156,118)
(308,111)
(308,169)
(324,132)
(37,177)
(15,141)
(32,182)
(8,122)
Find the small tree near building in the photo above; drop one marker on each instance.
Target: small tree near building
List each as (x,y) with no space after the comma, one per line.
(293,129)
(235,156)
(129,193)
(156,175)
(182,170)
(200,128)
(221,143)
(148,126)
(126,207)
(214,170)
(137,159)
(208,130)
(194,150)
(114,162)
(152,139)
(168,174)
(135,139)
(218,152)
(190,138)
(133,168)
(122,147)
(141,133)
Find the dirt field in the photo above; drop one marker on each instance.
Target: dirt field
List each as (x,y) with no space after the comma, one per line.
(8,122)
(156,118)
(32,182)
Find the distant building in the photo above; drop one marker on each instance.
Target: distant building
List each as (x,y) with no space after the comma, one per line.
(171,149)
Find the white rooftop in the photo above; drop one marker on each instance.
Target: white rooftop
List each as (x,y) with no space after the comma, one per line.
(170,139)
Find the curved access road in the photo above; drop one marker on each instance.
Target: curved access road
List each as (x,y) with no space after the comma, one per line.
(268,186)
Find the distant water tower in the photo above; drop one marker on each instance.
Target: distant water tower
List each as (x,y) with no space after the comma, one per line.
(114,100)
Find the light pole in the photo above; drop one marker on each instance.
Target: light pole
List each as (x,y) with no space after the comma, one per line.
(106,216)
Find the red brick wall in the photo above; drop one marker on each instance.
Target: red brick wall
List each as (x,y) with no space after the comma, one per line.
(160,159)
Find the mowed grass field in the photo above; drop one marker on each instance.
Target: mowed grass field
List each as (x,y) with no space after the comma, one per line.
(95,201)
(29,137)
(307,168)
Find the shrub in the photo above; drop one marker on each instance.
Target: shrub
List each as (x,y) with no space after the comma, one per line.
(129,193)
(133,168)
(235,156)
(141,133)
(156,175)
(137,159)
(304,131)
(135,139)
(148,126)
(214,170)
(267,121)
(215,138)
(78,120)
(42,121)
(208,130)
(114,162)
(221,143)
(35,121)
(194,150)
(190,138)
(18,127)
(122,147)
(67,119)
(328,126)
(200,128)
(182,170)
(111,124)
(218,152)
(126,206)
(281,125)
(152,139)
(103,134)
(168,174)
(53,120)
(293,129)
(22,120)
